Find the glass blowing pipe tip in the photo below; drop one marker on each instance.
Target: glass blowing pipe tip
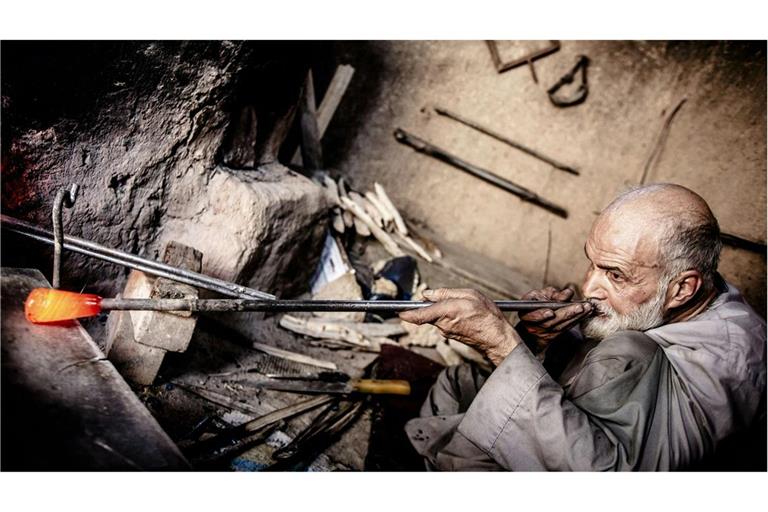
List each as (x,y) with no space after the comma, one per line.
(46,305)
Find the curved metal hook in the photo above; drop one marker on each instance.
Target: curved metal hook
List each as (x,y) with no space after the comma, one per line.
(64,197)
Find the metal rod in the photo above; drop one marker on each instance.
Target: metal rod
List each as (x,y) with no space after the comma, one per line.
(118,257)
(742,243)
(64,197)
(502,138)
(425,147)
(373,306)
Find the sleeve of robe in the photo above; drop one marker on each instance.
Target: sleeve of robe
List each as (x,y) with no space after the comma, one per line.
(524,420)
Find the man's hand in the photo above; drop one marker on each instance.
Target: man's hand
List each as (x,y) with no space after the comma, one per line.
(469,317)
(544,325)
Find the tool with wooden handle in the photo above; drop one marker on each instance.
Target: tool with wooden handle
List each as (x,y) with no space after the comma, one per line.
(365,386)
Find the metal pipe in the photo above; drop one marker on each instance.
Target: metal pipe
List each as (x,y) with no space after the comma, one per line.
(368,306)
(502,138)
(117,257)
(425,147)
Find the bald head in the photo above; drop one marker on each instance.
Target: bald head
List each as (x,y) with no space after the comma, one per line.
(675,219)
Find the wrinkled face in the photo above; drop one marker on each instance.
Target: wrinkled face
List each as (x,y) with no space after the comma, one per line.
(623,279)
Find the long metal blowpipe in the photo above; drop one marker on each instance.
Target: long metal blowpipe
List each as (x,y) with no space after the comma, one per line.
(156,268)
(46,305)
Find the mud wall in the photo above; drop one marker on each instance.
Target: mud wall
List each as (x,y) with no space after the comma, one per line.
(716,142)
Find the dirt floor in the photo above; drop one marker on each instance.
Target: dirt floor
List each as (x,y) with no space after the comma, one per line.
(192,400)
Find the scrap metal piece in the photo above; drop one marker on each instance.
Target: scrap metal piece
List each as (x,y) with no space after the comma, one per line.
(317,436)
(580,94)
(429,149)
(64,197)
(217,455)
(245,432)
(505,140)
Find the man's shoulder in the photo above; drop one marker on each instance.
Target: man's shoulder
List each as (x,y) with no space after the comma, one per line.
(729,324)
(620,360)
(624,345)
(727,342)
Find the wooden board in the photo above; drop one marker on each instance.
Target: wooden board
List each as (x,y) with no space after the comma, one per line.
(64,406)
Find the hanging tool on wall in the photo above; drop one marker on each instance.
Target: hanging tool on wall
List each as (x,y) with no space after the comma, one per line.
(502,138)
(743,243)
(502,66)
(577,96)
(47,305)
(425,147)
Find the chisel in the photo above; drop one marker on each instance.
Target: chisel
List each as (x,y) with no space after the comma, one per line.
(367,386)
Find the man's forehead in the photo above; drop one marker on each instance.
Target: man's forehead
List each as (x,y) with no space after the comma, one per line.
(632,235)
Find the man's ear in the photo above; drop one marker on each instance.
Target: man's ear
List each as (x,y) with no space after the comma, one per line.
(683,288)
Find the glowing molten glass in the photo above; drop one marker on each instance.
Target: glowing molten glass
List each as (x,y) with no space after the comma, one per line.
(45,305)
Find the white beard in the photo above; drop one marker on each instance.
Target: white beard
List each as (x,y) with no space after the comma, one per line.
(646,316)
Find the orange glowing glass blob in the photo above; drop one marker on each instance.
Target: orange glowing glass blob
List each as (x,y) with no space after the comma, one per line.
(46,305)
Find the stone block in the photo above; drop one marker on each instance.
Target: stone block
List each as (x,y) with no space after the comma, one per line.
(138,340)
(262,228)
(166,330)
(136,362)
(137,286)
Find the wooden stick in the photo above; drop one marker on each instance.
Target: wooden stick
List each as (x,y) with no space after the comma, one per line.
(409,242)
(384,213)
(386,240)
(391,207)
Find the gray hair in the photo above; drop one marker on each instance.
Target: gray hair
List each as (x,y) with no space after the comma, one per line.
(690,237)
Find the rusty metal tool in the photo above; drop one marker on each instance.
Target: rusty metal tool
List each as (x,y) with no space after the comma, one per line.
(236,438)
(525,149)
(318,435)
(429,149)
(64,198)
(217,456)
(580,94)
(117,257)
(46,305)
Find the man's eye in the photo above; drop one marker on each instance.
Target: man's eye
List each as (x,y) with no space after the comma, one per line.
(616,276)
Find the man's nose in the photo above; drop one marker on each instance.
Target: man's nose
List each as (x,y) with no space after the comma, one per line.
(592,287)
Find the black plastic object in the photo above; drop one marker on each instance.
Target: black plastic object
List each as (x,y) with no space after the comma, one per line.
(402,272)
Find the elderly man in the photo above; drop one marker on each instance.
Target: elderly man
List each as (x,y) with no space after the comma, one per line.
(664,362)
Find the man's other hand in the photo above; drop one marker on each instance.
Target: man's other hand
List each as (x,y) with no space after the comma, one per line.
(469,317)
(544,325)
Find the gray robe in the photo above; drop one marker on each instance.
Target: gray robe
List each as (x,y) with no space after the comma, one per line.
(657,400)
